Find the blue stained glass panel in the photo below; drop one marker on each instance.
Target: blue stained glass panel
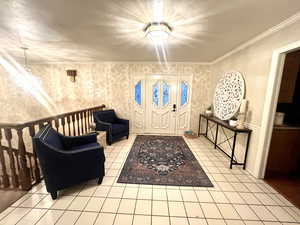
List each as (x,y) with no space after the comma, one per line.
(155,93)
(166,94)
(184,93)
(138,93)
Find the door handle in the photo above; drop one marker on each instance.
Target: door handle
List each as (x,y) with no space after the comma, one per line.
(174,108)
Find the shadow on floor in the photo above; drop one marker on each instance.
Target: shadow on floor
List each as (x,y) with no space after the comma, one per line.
(8,197)
(288,186)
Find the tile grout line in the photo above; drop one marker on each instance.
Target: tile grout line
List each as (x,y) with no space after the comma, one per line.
(28,210)
(116,214)
(169,214)
(102,207)
(283,206)
(66,209)
(86,202)
(185,207)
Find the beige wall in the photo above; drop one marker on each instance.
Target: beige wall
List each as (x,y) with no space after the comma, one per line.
(96,83)
(254,63)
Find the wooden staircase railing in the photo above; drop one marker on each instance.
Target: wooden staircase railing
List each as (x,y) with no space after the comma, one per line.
(19,166)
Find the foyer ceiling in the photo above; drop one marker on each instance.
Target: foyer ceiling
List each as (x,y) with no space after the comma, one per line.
(112,30)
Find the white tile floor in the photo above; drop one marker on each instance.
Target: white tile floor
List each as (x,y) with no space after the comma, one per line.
(237,198)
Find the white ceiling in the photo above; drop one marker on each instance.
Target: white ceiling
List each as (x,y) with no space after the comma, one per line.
(111,30)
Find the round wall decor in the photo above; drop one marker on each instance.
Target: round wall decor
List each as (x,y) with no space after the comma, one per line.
(229,94)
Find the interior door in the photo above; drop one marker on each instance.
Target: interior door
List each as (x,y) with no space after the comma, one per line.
(161,104)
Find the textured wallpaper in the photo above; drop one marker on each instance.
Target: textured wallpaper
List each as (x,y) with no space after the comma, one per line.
(96,83)
(254,62)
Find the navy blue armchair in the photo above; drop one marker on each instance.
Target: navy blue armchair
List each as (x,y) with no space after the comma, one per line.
(116,128)
(66,161)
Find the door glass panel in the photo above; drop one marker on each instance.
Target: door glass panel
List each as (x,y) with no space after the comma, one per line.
(138,93)
(184,93)
(166,94)
(155,93)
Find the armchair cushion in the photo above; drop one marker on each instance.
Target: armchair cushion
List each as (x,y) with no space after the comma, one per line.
(53,139)
(70,142)
(118,128)
(107,116)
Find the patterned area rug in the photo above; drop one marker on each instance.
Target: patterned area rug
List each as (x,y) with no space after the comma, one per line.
(162,160)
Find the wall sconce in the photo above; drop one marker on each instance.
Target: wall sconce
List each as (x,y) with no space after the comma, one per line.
(72,74)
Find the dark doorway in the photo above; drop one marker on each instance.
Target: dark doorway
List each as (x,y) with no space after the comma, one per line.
(283,166)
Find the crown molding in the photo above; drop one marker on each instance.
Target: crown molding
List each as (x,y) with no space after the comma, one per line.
(291,20)
(120,62)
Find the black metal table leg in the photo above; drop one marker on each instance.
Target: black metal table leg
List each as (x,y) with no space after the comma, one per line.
(206,128)
(233,148)
(216,137)
(246,153)
(222,125)
(200,117)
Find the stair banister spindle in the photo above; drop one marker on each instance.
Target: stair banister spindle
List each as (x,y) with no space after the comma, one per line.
(37,173)
(24,171)
(85,125)
(14,178)
(69,125)
(63,122)
(5,177)
(82,125)
(78,123)
(73,122)
(56,124)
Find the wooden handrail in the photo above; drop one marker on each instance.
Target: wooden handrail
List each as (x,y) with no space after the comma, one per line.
(19,164)
(46,119)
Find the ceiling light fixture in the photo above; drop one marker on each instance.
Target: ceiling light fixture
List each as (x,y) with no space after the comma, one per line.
(158,31)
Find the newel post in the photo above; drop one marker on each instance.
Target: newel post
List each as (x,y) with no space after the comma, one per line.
(24,170)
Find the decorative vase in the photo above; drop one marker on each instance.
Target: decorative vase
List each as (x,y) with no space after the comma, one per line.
(233,123)
(208,112)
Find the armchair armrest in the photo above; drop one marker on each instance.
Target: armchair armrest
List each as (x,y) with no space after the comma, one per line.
(61,154)
(80,140)
(89,155)
(119,120)
(83,150)
(102,126)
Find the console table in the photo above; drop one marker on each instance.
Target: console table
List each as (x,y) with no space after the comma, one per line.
(220,124)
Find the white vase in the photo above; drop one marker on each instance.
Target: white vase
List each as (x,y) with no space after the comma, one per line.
(233,123)
(208,112)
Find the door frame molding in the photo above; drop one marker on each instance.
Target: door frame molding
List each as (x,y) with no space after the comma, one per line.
(269,110)
(144,75)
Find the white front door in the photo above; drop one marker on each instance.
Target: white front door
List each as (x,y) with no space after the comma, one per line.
(161,94)
(161,104)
